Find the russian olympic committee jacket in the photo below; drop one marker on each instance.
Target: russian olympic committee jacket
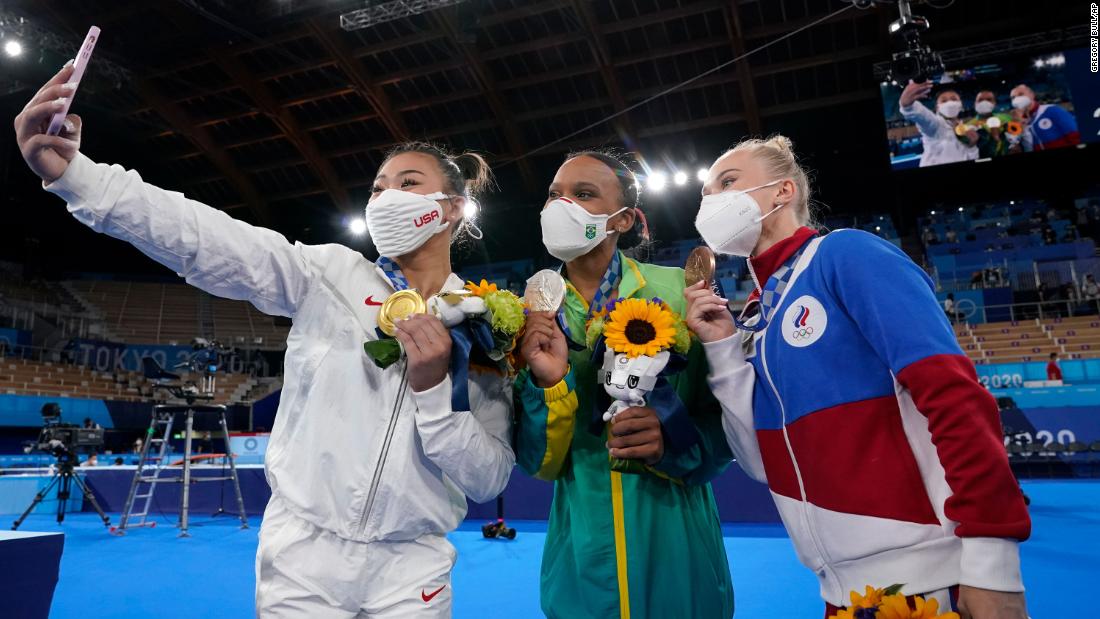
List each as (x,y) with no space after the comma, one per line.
(883,453)
(353,449)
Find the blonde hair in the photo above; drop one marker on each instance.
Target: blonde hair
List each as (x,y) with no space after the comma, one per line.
(776,153)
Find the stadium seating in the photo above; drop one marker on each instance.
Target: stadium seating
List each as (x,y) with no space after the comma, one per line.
(169,313)
(24,377)
(1033,340)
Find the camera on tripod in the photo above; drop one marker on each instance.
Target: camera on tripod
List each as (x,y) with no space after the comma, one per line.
(62,439)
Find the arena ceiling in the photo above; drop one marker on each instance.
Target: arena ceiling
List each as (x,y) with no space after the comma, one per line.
(267,108)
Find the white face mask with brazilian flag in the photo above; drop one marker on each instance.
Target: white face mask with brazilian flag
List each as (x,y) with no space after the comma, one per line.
(569,231)
(401,221)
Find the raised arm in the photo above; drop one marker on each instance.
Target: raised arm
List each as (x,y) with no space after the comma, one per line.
(214,252)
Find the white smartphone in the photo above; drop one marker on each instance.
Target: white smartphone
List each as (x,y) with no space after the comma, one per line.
(79,65)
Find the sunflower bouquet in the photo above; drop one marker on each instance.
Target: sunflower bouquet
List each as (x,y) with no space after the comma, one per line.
(638,338)
(891,603)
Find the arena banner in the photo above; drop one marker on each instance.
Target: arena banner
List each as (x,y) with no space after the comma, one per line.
(104,356)
(11,338)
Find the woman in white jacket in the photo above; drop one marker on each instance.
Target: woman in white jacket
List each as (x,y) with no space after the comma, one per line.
(937,129)
(369,468)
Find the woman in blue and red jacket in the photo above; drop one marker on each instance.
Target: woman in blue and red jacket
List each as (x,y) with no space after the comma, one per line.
(846,391)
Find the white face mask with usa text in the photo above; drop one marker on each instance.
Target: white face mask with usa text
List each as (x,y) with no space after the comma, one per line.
(400,222)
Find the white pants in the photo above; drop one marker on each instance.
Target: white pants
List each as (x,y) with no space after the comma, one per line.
(304,572)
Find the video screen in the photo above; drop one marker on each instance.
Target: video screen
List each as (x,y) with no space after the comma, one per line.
(1019,105)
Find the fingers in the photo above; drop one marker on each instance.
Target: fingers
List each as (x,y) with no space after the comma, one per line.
(408,344)
(60,77)
(71,128)
(63,146)
(32,119)
(51,93)
(626,427)
(649,452)
(634,412)
(636,439)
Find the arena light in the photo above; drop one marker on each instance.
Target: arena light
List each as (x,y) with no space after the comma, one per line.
(960,209)
(657,181)
(13,48)
(357,226)
(680,178)
(933,212)
(701,175)
(470,210)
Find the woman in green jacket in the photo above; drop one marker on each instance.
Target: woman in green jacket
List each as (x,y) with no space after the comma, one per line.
(645,543)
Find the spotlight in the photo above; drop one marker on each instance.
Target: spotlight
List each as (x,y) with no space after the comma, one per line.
(13,48)
(680,178)
(933,212)
(960,209)
(657,181)
(357,226)
(701,175)
(470,210)
(878,228)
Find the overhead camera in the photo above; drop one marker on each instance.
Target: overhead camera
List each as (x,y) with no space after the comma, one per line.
(915,60)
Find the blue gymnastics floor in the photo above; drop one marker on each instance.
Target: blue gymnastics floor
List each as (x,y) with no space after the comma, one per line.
(152,573)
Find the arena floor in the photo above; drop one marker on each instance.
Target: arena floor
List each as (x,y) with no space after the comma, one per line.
(152,573)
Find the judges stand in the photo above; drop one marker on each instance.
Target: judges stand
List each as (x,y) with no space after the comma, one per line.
(153,467)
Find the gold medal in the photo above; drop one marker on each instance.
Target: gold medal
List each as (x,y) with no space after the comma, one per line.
(399,306)
(699,266)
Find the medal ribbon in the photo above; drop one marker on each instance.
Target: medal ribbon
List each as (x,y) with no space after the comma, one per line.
(608,284)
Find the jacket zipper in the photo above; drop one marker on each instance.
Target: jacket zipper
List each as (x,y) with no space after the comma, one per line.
(790,449)
(394,414)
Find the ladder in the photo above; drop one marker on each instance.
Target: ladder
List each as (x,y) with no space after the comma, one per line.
(134,519)
(163,416)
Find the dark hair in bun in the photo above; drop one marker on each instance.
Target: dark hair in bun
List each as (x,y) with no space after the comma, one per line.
(631,193)
(467,174)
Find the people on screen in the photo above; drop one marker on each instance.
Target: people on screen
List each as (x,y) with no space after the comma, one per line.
(1046,125)
(941,143)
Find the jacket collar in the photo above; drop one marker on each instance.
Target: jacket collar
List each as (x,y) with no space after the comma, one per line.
(762,266)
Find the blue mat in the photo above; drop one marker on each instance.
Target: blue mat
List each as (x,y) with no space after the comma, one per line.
(152,573)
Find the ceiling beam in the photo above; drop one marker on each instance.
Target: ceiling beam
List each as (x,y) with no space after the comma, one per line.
(444,20)
(201,138)
(592,28)
(351,67)
(288,124)
(744,70)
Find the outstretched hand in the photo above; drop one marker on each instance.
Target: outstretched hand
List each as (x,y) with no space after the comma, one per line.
(48,156)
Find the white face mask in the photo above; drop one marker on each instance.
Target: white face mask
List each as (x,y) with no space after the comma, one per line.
(569,231)
(401,221)
(984,107)
(1021,102)
(950,109)
(729,221)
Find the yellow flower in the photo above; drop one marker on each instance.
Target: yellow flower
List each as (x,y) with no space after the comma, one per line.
(843,613)
(481,289)
(870,599)
(639,327)
(896,607)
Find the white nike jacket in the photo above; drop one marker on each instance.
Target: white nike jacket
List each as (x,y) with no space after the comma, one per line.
(354,450)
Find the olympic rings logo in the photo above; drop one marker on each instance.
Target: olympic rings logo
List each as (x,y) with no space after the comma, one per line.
(802,333)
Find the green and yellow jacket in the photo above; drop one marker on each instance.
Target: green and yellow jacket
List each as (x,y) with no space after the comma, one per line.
(641,546)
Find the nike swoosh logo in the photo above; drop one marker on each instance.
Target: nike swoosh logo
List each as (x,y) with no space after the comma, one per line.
(427,597)
(370,301)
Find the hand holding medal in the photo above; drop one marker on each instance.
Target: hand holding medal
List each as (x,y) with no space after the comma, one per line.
(707,314)
(543,346)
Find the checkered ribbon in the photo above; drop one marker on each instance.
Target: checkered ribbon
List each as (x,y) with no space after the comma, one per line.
(393,273)
(611,279)
(772,293)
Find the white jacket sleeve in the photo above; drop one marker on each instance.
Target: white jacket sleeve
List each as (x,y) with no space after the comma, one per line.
(473,448)
(211,250)
(928,123)
(732,380)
